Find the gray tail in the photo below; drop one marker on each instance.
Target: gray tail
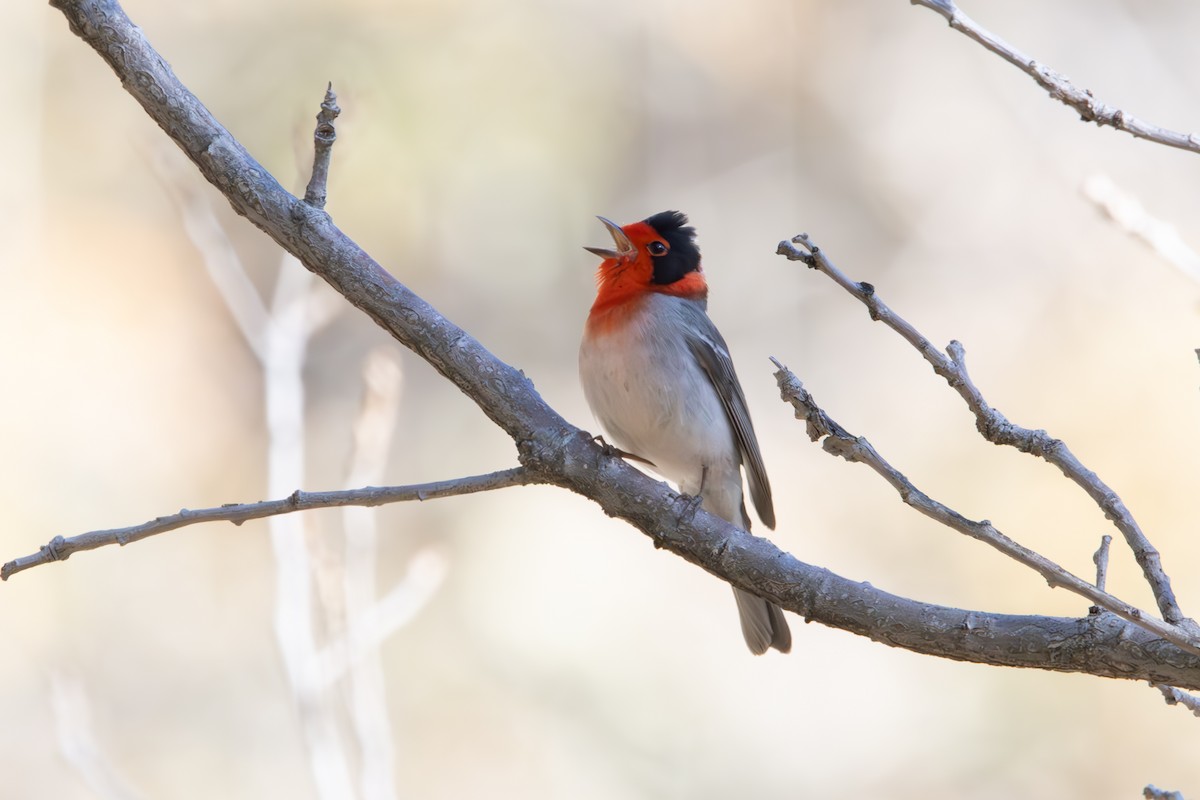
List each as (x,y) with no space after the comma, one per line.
(763,625)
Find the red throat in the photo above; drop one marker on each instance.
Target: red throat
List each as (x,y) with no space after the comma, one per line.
(622,283)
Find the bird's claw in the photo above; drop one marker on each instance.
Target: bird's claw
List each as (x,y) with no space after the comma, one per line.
(691,504)
(612,450)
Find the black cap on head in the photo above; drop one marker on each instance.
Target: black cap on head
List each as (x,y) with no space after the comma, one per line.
(683,256)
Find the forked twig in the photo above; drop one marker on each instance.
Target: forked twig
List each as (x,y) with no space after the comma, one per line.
(994,427)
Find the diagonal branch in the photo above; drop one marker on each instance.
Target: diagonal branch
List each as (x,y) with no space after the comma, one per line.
(61,548)
(1058,86)
(994,427)
(837,441)
(308,233)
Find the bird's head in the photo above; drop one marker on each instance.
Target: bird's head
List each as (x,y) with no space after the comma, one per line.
(658,254)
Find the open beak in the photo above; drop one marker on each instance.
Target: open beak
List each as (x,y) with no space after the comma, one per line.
(624,246)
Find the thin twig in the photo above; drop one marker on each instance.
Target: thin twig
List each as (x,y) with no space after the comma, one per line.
(323,139)
(1100,559)
(993,425)
(1058,86)
(60,548)
(836,440)
(1175,696)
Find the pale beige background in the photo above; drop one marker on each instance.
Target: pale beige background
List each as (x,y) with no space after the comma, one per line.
(563,656)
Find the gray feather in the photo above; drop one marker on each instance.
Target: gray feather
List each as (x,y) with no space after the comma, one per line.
(712,354)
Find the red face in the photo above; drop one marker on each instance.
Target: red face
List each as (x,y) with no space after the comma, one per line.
(658,254)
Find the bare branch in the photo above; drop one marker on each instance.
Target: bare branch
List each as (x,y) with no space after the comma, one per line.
(838,441)
(555,452)
(1058,86)
(993,425)
(424,574)
(1174,696)
(61,548)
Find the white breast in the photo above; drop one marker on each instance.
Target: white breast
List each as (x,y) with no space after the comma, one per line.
(654,400)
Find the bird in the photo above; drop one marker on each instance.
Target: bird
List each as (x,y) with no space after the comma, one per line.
(659,379)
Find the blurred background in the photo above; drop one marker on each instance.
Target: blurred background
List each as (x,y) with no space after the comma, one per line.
(529,646)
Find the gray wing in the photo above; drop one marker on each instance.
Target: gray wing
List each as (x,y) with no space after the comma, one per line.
(711,352)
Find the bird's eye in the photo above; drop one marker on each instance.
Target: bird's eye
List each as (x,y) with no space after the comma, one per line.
(657,249)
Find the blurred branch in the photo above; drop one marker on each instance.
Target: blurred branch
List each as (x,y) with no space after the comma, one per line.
(425,573)
(1174,696)
(1152,792)
(77,741)
(357,650)
(555,452)
(60,548)
(284,351)
(1128,213)
(368,620)
(221,261)
(1058,86)
(837,441)
(278,336)
(994,427)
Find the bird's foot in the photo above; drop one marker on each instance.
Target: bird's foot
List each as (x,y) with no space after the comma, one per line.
(691,504)
(613,450)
